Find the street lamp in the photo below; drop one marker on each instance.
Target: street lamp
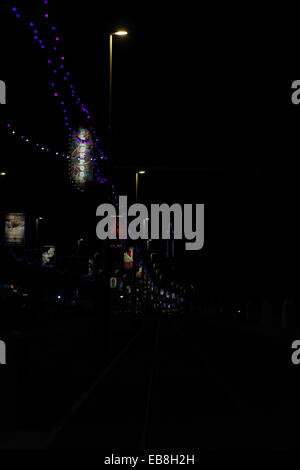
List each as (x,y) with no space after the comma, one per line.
(106,255)
(116,33)
(3,173)
(37,221)
(141,172)
(79,242)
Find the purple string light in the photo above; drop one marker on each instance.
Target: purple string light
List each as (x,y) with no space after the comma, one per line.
(77,99)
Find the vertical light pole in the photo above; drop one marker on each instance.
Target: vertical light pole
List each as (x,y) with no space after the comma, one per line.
(37,226)
(110,82)
(79,242)
(106,249)
(141,172)
(138,173)
(117,33)
(110,101)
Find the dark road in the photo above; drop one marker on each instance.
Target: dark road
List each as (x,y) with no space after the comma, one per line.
(190,385)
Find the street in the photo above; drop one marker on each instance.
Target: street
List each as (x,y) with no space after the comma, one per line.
(178,387)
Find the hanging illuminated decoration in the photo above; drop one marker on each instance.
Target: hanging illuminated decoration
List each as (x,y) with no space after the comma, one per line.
(81,158)
(56,62)
(14,229)
(29,141)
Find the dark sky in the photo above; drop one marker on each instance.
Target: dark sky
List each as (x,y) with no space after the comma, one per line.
(185,79)
(194,87)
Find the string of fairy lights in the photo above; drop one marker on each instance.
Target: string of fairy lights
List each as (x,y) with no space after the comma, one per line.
(57,70)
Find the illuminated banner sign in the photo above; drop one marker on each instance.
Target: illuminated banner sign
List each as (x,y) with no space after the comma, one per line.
(128,258)
(139,273)
(49,256)
(14,229)
(81,158)
(2,92)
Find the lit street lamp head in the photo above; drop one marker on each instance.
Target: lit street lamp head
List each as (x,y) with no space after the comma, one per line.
(121,33)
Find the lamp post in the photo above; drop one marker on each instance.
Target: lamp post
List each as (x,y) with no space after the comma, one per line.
(79,242)
(110,98)
(141,172)
(106,249)
(37,226)
(119,34)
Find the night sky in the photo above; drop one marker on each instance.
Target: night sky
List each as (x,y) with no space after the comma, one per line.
(202,93)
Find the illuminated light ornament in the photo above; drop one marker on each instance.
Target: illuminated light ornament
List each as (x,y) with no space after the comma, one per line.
(81,161)
(77,99)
